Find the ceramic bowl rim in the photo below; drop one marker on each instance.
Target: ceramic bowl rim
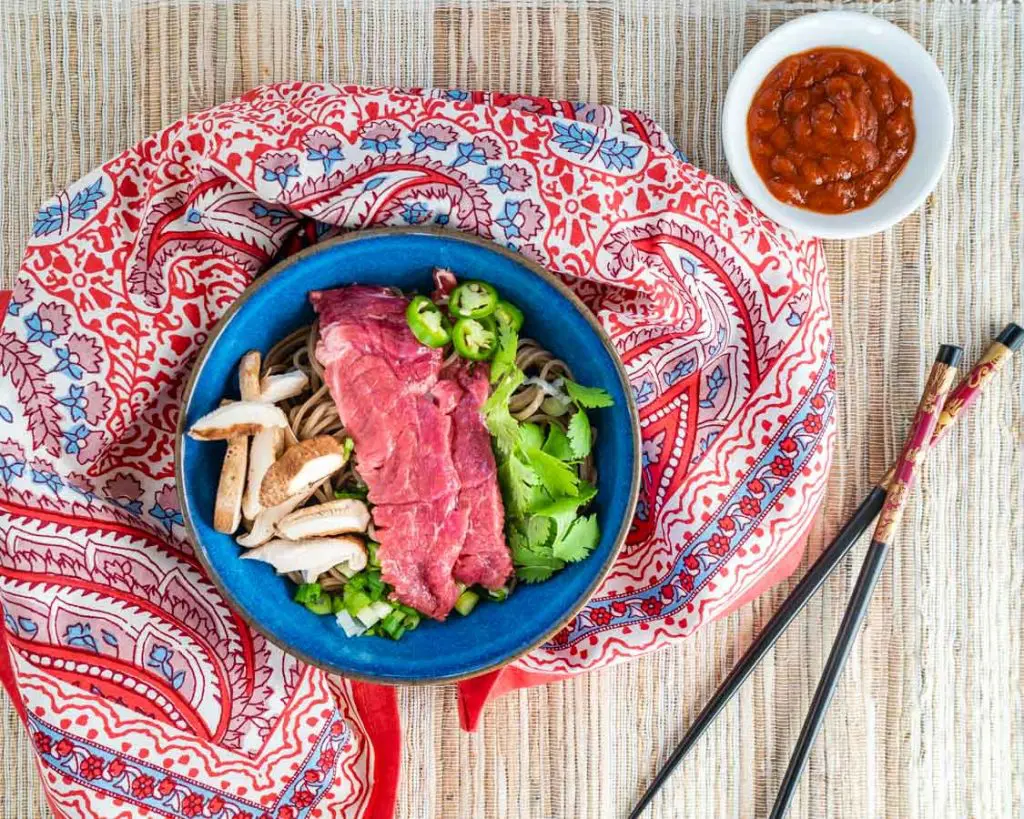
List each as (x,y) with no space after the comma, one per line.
(360,235)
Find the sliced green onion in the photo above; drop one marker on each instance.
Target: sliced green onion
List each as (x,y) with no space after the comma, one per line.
(322,605)
(353,494)
(375,587)
(371,614)
(356,601)
(337,604)
(371,553)
(356,582)
(346,447)
(393,625)
(467,602)
(307,593)
(350,625)
(499,595)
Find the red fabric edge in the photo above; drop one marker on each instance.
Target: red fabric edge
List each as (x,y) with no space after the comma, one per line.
(378,710)
(5,299)
(7,674)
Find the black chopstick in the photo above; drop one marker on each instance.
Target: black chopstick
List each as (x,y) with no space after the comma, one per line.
(998,353)
(918,442)
(790,608)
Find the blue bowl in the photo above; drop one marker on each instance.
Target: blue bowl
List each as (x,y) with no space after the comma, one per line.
(495,633)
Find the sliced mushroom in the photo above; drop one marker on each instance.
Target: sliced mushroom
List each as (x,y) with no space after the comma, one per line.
(336,517)
(303,465)
(267,447)
(227,511)
(280,387)
(312,557)
(237,418)
(264,526)
(249,376)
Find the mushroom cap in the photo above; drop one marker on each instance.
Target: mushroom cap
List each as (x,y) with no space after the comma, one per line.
(332,518)
(282,386)
(312,556)
(237,418)
(227,510)
(266,448)
(303,465)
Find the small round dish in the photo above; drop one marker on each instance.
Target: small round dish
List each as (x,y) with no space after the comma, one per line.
(496,633)
(932,111)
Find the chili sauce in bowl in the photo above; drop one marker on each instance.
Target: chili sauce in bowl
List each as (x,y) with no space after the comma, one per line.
(830,129)
(837,124)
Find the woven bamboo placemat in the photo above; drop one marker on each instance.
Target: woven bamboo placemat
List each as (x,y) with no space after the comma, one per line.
(929,719)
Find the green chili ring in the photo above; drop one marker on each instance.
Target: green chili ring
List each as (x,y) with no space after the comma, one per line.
(507,313)
(473,299)
(475,338)
(427,322)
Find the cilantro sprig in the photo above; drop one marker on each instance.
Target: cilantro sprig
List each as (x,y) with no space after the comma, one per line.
(588,397)
(538,470)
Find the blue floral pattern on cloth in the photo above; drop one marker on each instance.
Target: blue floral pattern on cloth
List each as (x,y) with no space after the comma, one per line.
(51,218)
(616,154)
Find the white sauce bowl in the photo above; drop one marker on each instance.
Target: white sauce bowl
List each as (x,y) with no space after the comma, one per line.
(932,112)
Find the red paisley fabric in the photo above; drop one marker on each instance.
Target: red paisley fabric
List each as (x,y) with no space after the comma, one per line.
(139,685)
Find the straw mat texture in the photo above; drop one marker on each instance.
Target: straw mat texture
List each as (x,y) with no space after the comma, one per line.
(929,719)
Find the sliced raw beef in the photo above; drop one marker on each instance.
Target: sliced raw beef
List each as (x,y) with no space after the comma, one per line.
(421,445)
(484,558)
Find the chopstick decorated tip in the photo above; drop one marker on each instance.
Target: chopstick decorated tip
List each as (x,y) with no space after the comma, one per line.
(922,428)
(999,352)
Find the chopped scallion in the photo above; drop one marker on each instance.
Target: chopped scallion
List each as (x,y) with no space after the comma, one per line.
(307,593)
(467,602)
(322,604)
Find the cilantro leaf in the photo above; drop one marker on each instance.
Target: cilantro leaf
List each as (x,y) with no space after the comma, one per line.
(579,541)
(519,481)
(538,497)
(588,397)
(580,437)
(538,572)
(531,436)
(538,532)
(565,511)
(587,492)
(504,359)
(532,558)
(557,444)
(500,423)
(558,478)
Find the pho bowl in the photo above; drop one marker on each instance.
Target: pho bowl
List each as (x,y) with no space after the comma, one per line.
(496,633)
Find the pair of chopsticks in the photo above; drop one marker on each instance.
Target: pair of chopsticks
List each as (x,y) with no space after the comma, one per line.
(934,417)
